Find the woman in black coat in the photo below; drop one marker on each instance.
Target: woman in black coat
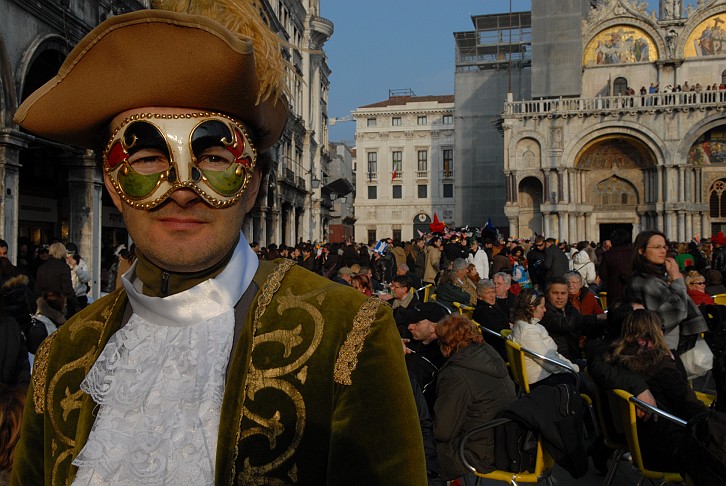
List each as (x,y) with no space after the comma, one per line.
(472,387)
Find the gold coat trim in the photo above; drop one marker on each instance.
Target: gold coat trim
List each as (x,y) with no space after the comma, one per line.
(40,373)
(268,290)
(348,356)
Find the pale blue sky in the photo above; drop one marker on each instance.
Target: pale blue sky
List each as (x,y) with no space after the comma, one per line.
(397,44)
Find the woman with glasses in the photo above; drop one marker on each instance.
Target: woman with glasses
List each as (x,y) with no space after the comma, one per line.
(656,280)
(696,285)
(527,310)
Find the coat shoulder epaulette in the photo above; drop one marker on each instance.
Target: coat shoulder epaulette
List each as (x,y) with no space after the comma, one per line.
(40,373)
(348,355)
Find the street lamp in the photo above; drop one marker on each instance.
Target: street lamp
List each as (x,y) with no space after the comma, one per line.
(333,196)
(314,182)
(343,199)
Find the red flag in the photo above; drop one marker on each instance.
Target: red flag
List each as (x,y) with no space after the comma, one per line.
(436,226)
(394,175)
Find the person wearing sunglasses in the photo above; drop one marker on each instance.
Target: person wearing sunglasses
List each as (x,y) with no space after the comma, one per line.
(696,285)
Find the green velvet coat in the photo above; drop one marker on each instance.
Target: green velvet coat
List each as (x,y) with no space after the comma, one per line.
(317,391)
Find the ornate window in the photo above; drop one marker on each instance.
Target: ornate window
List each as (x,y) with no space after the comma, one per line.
(717,200)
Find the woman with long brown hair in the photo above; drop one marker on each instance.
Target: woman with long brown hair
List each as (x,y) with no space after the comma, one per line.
(642,349)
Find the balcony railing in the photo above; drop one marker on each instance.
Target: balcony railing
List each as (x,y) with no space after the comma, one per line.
(300,182)
(422,174)
(447,174)
(564,107)
(396,175)
(372,176)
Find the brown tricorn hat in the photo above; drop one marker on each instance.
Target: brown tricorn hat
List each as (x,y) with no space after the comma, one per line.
(153,58)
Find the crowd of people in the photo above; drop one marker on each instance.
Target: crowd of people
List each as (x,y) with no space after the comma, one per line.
(214,361)
(551,295)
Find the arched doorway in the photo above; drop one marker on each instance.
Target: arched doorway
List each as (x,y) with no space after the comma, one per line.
(530,215)
(620,86)
(421,224)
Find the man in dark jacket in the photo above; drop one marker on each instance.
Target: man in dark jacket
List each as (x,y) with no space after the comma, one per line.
(55,274)
(564,323)
(535,263)
(718,261)
(615,266)
(555,261)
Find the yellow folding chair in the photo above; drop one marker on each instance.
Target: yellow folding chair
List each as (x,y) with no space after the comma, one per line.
(720,299)
(626,411)
(542,467)
(426,292)
(464,310)
(603,300)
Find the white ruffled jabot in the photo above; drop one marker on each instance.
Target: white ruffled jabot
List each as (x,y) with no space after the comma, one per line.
(160,387)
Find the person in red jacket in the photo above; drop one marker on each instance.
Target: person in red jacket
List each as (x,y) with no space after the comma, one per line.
(696,285)
(580,296)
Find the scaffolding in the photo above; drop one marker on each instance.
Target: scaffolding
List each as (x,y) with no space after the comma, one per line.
(498,40)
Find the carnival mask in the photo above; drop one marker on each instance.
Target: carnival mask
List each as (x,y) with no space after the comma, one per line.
(151,155)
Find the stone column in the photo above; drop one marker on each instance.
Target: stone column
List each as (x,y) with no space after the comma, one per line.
(11,143)
(85,185)
(706,224)
(547,224)
(586,222)
(514,226)
(689,226)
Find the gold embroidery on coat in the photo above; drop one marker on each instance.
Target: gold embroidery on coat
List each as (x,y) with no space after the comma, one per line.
(271,285)
(284,379)
(68,403)
(71,402)
(348,355)
(40,373)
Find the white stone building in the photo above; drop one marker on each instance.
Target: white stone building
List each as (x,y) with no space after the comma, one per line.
(405,165)
(584,152)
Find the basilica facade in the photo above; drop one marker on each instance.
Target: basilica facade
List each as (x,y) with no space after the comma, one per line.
(624,128)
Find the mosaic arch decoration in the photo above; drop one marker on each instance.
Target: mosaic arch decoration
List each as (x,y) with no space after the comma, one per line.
(620,44)
(614,191)
(619,152)
(708,38)
(709,148)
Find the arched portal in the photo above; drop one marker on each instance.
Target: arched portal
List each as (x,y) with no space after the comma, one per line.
(529,197)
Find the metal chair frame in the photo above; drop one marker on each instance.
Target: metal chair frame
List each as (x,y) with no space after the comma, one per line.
(464,310)
(626,408)
(542,466)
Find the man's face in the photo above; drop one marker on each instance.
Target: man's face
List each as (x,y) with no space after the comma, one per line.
(548,244)
(557,295)
(424,331)
(421,244)
(4,251)
(501,287)
(398,290)
(346,276)
(184,233)
(606,245)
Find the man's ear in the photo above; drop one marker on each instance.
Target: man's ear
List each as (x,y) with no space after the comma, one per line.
(250,195)
(112,192)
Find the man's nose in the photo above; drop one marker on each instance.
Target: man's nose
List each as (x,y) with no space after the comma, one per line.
(184,197)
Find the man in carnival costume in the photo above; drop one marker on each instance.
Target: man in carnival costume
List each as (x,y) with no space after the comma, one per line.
(208,366)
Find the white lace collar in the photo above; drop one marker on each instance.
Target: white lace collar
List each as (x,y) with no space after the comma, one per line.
(202,302)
